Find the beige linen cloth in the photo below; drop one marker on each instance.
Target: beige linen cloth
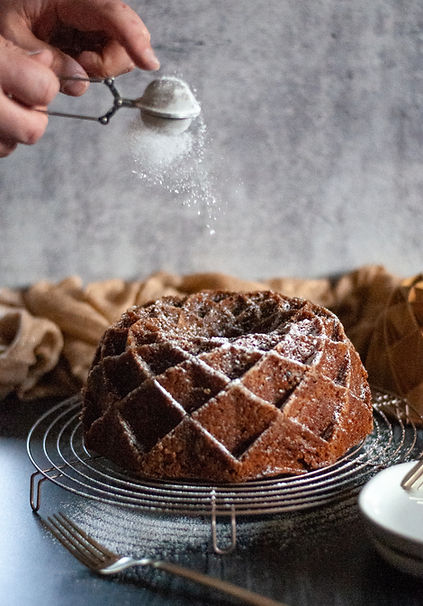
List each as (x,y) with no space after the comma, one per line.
(49,331)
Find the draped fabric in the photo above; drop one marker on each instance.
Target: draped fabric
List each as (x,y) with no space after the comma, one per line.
(49,331)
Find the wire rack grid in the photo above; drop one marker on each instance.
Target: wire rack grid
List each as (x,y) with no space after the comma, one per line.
(55,446)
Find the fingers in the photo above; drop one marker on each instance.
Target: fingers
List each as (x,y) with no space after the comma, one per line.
(102,38)
(25,82)
(113,59)
(96,37)
(119,22)
(61,63)
(19,124)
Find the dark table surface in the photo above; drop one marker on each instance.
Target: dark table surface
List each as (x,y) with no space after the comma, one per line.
(320,557)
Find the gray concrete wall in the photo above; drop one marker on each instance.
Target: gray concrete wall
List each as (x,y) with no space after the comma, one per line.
(314,111)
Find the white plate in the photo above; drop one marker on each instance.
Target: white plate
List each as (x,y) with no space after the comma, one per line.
(401,561)
(394,518)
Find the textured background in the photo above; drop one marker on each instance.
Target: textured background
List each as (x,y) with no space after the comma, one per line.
(314,116)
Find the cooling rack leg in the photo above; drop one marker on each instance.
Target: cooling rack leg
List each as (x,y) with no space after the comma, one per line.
(35,490)
(232,544)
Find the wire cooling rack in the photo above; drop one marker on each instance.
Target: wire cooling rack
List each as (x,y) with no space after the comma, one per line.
(56,448)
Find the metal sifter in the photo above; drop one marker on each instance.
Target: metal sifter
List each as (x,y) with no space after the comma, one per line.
(167,104)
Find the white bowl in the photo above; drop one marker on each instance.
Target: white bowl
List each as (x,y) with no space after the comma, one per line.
(394,518)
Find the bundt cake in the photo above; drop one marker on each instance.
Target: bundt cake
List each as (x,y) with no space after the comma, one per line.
(225,387)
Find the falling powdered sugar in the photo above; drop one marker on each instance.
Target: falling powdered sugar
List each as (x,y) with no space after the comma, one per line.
(177,164)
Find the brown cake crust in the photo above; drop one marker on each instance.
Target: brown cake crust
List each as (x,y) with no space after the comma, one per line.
(226,387)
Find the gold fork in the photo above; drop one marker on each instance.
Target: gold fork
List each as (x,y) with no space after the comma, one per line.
(103,561)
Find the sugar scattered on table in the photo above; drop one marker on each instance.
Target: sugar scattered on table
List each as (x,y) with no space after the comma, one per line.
(128,530)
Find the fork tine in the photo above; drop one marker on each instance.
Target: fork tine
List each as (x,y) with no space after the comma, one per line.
(69,544)
(100,551)
(77,543)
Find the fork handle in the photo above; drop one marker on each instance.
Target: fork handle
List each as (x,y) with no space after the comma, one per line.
(249,597)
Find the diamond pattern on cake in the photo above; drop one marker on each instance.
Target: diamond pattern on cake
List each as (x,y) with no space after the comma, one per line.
(150,413)
(124,372)
(235,417)
(225,387)
(160,356)
(317,404)
(335,363)
(230,359)
(171,458)
(192,384)
(290,448)
(274,378)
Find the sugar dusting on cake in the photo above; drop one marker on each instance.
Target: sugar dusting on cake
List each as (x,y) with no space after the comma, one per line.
(179,165)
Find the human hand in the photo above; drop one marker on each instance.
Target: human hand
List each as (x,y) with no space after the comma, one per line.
(26,81)
(41,38)
(86,37)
